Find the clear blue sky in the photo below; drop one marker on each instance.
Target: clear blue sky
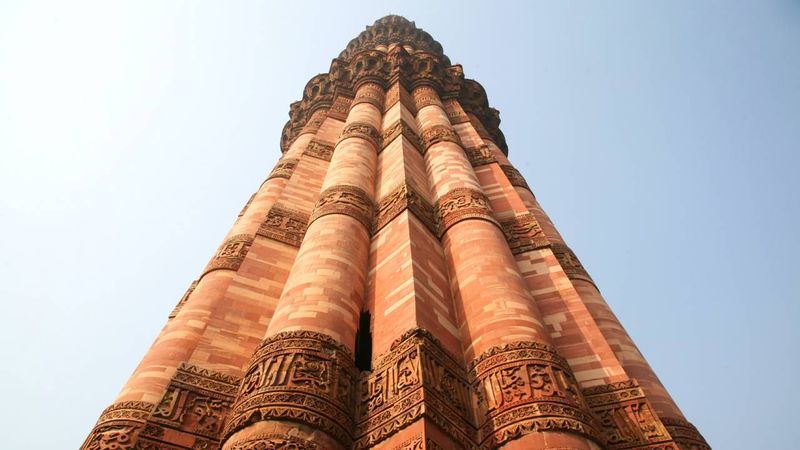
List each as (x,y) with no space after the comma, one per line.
(661,137)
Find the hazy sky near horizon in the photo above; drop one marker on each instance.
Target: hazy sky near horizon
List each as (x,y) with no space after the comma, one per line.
(661,137)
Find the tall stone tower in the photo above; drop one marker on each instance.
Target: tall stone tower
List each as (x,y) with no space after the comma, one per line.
(393,284)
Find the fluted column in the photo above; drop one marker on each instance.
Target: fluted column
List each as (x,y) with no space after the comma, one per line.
(521,383)
(302,376)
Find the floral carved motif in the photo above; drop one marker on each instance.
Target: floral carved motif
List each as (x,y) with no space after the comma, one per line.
(403,197)
(461,204)
(400,128)
(480,155)
(283,169)
(570,263)
(515,177)
(625,416)
(319,149)
(524,234)
(274,441)
(362,130)
(369,93)
(284,225)
(183,299)
(118,426)
(347,200)
(299,376)
(415,378)
(685,434)
(439,133)
(231,253)
(526,387)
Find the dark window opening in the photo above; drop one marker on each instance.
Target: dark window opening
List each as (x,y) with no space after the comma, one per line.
(364,342)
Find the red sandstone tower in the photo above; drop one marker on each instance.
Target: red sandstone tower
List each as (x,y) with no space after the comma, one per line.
(393,284)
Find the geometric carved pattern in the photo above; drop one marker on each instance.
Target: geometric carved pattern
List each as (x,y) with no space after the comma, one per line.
(480,155)
(284,225)
(340,107)
(685,434)
(319,149)
(461,204)
(183,299)
(400,128)
(300,376)
(404,196)
(524,234)
(283,169)
(514,176)
(526,387)
(454,112)
(625,415)
(425,96)
(439,133)
(362,130)
(345,199)
(369,93)
(274,441)
(231,253)
(118,426)
(570,263)
(195,406)
(415,378)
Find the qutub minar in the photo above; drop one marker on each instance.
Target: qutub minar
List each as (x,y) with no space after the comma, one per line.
(393,284)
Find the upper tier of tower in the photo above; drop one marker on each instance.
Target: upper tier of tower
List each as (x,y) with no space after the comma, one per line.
(393,29)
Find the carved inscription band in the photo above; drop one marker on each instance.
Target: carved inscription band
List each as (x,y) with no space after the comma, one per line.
(479,156)
(347,200)
(283,169)
(426,96)
(274,441)
(284,225)
(320,150)
(515,177)
(525,387)
(439,133)
(461,204)
(231,253)
(401,128)
(300,376)
(570,263)
(369,93)
(685,434)
(524,234)
(118,426)
(404,197)
(362,130)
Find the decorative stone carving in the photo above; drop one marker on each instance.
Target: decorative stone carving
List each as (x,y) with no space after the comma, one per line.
(231,253)
(480,155)
(426,96)
(393,30)
(415,378)
(404,196)
(526,387)
(626,417)
(274,441)
(284,225)
(570,263)
(118,426)
(524,234)
(392,97)
(362,130)
(401,128)
(461,204)
(300,376)
(515,177)
(685,434)
(454,112)
(315,122)
(183,299)
(283,169)
(369,93)
(439,133)
(320,150)
(345,199)
(340,107)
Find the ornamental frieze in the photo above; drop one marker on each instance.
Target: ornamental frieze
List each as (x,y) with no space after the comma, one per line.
(404,197)
(426,96)
(274,441)
(284,225)
(300,376)
(454,112)
(315,122)
(340,107)
(524,234)
(401,128)
(416,377)
(283,169)
(685,434)
(570,263)
(231,253)
(347,200)
(119,426)
(461,204)
(439,133)
(625,416)
(319,149)
(183,299)
(362,130)
(526,387)
(197,403)
(369,93)
(480,155)
(514,176)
